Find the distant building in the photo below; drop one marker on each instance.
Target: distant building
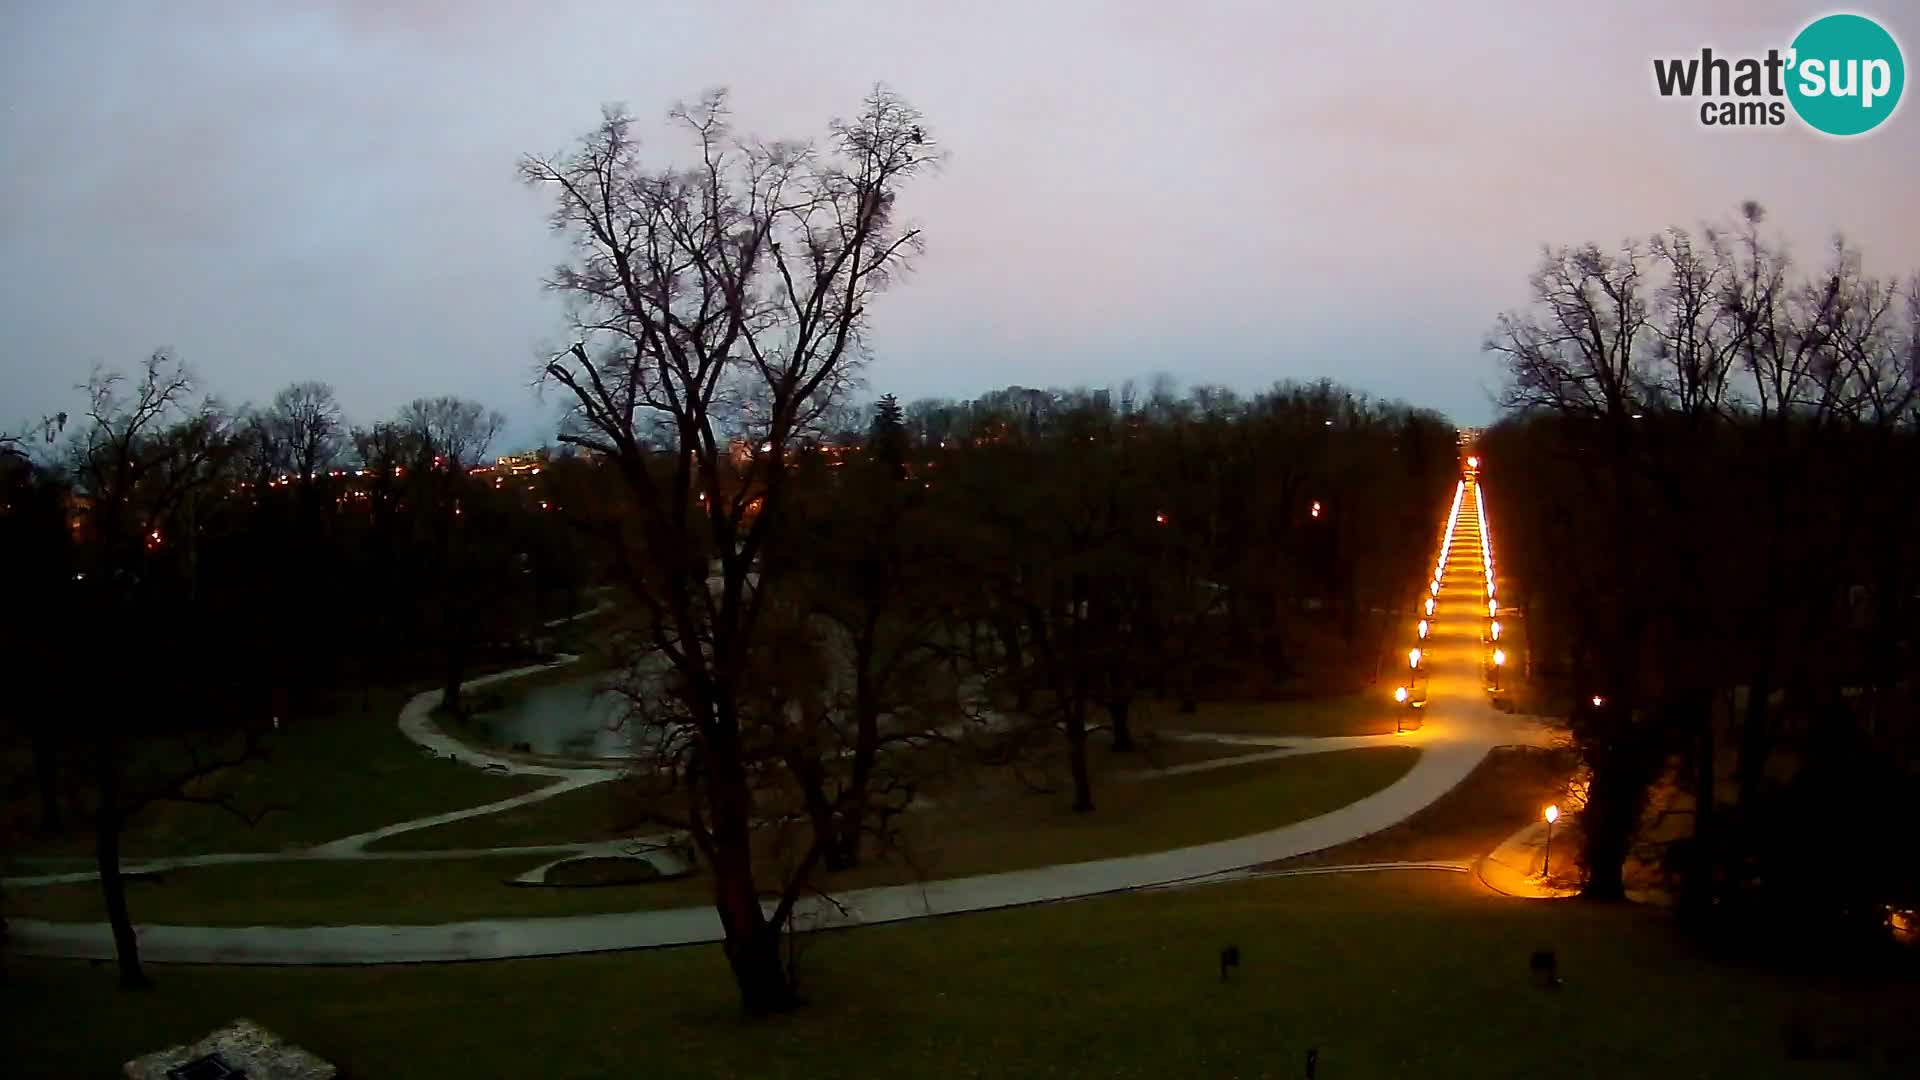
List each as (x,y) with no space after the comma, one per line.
(521,464)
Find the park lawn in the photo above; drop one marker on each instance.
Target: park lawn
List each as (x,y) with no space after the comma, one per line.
(1405,974)
(584,814)
(1040,828)
(1011,833)
(335,774)
(1502,795)
(322,893)
(593,813)
(1347,714)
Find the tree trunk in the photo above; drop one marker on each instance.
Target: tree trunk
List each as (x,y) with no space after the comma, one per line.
(46,770)
(826,831)
(1015,661)
(1120,710)
(1077,758)
(1608,824)
(450,700)
(752,945)
(106,848)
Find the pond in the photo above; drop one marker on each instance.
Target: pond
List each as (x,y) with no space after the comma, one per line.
(573,718)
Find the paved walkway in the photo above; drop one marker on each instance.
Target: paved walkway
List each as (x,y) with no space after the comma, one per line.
(1519,866)
(1459,728)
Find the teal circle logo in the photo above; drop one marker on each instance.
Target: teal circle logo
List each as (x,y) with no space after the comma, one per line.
(1845,75)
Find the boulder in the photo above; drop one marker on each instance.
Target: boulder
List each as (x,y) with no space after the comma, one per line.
(242,1045)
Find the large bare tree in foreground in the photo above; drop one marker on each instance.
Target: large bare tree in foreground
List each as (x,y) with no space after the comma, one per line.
(721,305)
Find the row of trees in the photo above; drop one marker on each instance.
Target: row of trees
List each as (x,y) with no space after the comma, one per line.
(817,615)
(189,578)
(1707,479)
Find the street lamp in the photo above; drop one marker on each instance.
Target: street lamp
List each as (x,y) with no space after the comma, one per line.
(1413,658)
(1423,629)
(1435,588)
(1400,694)
(1598,701)
(1499,661)
(1546,863)
(1429,607)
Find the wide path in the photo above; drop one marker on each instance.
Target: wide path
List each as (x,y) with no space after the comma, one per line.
(1459,728)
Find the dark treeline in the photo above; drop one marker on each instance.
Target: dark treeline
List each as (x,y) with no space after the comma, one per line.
(184,579)
(816,610)
(818,620)
(1705,492)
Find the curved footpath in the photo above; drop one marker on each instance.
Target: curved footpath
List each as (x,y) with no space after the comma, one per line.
(1459,729)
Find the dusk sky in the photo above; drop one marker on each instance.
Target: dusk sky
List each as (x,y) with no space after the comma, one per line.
(1230,193)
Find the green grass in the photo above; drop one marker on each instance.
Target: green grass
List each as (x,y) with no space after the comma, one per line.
(1388,975)
(1150,815)
(1007,833)
(592,813)
(588,813)
(1351,714)
(323,893)
(335,775)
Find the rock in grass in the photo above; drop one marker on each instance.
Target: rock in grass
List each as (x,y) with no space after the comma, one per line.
(243,1046)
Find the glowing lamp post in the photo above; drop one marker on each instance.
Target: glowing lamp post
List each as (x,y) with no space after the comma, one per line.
(1546,863)
(1423,629)
(1413,658)
(1400,694)
(1429,606)
(1499,661)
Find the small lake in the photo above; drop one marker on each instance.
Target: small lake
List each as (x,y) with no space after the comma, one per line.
(572,718)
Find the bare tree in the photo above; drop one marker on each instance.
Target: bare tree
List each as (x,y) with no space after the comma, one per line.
(720,302)
(448,436)
(307,421)
(167,718)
